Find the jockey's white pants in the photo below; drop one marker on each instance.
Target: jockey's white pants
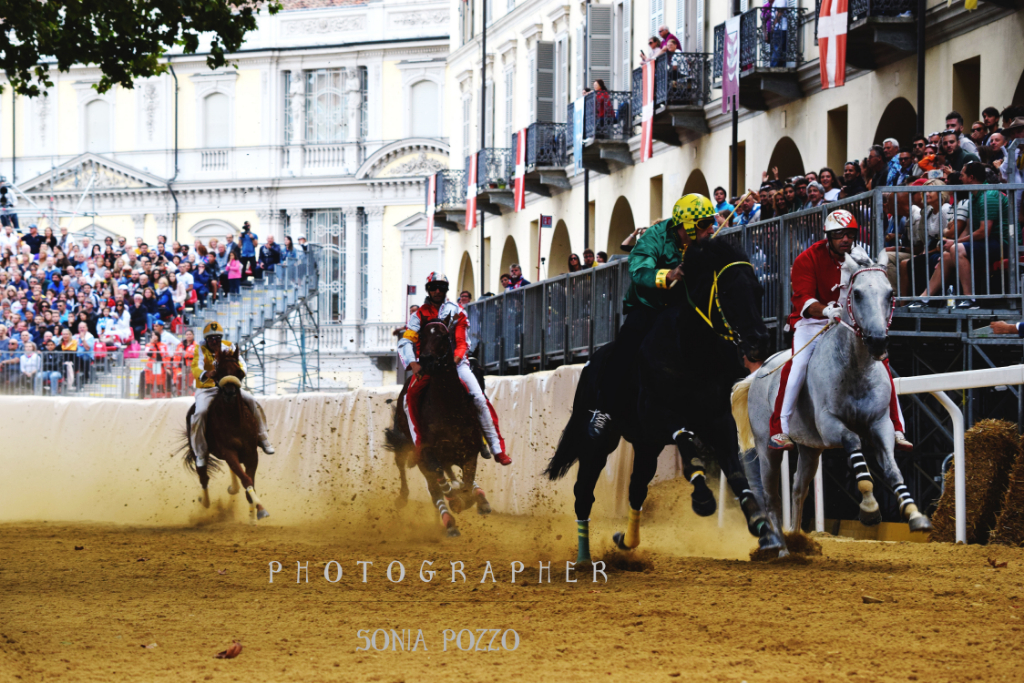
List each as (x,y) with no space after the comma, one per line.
(204,397)
(485,412)
(804,331)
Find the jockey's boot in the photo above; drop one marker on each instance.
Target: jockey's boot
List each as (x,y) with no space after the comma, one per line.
(502,458)
(781,442)
(485,450)
(598,424)
(901,442)
(265,444)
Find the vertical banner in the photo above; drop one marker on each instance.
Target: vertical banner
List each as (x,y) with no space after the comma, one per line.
(471,193)
(647,112)
(832,23)
(731,65)
(577,135)
(431,204)
(519,196)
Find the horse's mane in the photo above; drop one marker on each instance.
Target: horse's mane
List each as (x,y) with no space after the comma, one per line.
(703,258)
(856,260)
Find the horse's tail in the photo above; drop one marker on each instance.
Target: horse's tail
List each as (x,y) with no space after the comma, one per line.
(574,441)
(395,440)
(740,414)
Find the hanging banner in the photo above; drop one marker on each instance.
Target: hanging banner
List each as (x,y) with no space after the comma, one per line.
(731,65)
(431,204)
(577,136)
(471,193)
(519,196)
(647,112)
(832,23)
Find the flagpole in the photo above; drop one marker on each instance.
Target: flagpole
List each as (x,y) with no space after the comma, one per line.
(734,166)
(920,66)
(586,171)
(483,139)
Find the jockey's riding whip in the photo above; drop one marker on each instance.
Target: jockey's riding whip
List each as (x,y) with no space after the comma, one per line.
(831,324)
(734,210)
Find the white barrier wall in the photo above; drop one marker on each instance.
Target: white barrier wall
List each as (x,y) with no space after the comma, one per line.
(110,460)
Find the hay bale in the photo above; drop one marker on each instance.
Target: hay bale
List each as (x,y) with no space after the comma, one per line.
(990,448)
(1010,524)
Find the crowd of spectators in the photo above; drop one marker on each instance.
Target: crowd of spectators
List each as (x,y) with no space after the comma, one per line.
(66,303)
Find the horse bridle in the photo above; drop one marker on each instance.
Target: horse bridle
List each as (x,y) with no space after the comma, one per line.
(849,303)
(714,301)
(447,336)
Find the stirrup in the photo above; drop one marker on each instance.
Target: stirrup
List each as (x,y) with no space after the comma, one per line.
(781,442)
(902,444)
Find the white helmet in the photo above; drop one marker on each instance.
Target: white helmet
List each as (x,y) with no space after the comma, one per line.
(840,219)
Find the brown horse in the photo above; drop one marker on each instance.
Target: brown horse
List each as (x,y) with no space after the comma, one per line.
(231,431)
(450,430)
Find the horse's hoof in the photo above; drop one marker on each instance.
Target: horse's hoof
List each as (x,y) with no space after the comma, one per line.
(770,541)
(920,524)
(453,532)
(262,514)
(455,504)
(619,538)
(870,518)
(401,502)
(483,507)
(233,490)
(783,553)
(204,498)
(703,501)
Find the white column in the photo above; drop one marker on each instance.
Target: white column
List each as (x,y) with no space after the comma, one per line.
(296,99)
(375,295)
(351,266)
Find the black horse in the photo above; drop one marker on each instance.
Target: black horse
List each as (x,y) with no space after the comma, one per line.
(450,430)
(676,390)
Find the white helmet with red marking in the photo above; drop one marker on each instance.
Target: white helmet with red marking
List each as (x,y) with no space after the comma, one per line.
(840,219)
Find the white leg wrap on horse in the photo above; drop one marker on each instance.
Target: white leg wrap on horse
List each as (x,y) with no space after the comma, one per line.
(860,467)
(903,493)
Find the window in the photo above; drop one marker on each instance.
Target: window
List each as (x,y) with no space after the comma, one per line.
(97,127)
(681,21)
(510,80)
(467,113)
(561,76)
(289,124)
(364,103)
(216,120)
(423,110)
(657,15)
(599,45)
(327,227)
(489,115)
(466,21)
(325,106)
(511,5)
(364,264)
(621,39)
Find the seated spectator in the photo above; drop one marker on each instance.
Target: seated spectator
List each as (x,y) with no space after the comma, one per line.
(602,257)
(875,168)
(956,156)
(516,280)
(31,366)
(720,203)
(164,303)
(138,317)
(588,258)
(52,370)
(627,244)
(749,210)
(853,181)
(574,263)
(955,123)
(815,196)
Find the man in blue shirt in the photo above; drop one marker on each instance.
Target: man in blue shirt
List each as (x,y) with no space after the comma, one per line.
(720,203)
(247,244)
(270,255)
(749,211)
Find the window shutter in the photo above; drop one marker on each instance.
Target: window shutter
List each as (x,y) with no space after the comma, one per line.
(681,23)
(580,76)
(657,15)
(467,109)
(626,81)
(545,78)
(489,115)
(533,87)
(599,43)
(700,26)
(744,5)
(509,92)
(562,100)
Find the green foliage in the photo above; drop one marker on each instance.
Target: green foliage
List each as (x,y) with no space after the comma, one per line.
(124,38)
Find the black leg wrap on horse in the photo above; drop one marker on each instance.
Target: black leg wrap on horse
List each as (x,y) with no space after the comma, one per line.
(757,521)
(859,466)
(702,499)
(903,493)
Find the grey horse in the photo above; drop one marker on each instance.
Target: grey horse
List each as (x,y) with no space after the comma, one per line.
(844,404)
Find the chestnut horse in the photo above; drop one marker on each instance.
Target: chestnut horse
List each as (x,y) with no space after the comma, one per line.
(231,431)
(450,430)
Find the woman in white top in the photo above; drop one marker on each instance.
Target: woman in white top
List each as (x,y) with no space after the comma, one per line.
(827,178)
(31,364)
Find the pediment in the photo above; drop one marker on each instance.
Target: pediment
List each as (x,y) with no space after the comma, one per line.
(75,175)
(406,158)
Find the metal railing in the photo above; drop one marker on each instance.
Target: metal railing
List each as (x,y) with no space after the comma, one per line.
(545,145)
(862,9)
(763,45)
(566,318)
(606,116)
(451,190)
(680,79)
(494,167)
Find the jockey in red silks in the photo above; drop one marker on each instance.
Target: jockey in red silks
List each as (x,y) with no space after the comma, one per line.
(437,306)
(818,298)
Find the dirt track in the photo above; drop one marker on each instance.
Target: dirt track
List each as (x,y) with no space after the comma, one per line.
(85,615)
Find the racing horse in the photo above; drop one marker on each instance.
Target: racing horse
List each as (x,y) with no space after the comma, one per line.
(450,435)
(678,388)
(231,433)
(844,403)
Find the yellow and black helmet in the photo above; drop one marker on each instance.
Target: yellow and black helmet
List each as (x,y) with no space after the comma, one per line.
(213,329)
(693,211)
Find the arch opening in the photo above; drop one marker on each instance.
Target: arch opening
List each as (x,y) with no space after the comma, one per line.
(786,157)
(466,278)
(899,121)
(509,255)
(558,254)
(621,225)
(698,183)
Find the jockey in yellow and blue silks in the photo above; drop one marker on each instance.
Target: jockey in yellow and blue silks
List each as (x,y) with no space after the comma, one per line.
(203,363)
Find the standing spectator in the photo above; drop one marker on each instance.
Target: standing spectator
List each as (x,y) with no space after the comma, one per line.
(602,257)
(875,167)
(166,338)
(52,368)
(10,365)
(979,134)
(990,117)
(165,308)
(891,151)
(907,166)
(31,365)
(815,196)
(749,210)
(827,178)
(956,156)
(505,282)
(270,255)
(48,239)
(247,248)
(33,239)
(799,191)
(465,297)
(780,30)
(8,204)
(720,204)
(516,280)
(289,249)
(666,36)
(955,123)
(603,107)
(574,263)
(630,241)
(853,181)
(201,282)
(654,42)
(85,355)
(234,273)
(138,317)
(588,258)
(9,241)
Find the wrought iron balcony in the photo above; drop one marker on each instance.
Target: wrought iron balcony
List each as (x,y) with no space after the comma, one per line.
(769,55)
(607,127)
(545,146)
(878,32)
(494,168)
(682,86)
(450,201)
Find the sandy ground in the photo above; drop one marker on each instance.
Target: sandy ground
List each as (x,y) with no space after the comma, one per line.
(698,611)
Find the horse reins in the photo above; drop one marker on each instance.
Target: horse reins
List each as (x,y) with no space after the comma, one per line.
(715,302)
(447,334)
(849,304)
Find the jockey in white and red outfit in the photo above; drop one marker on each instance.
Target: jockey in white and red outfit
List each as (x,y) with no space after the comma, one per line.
(818,297)
(436,306)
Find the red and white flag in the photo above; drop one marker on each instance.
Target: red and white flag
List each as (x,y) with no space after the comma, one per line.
(519,196)
(431,204)
(832,43)
(647,112)
(471,193)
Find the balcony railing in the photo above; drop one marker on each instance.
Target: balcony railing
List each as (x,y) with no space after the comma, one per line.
(862,9)
(494,168)
(545,146)
(606,116)
(763,45)
(374,339)
(680,79)
(215,159)
(451,190)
